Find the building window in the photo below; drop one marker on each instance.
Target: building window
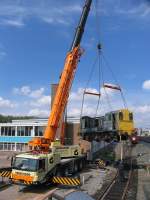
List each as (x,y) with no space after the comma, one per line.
(39,130)
(8,131)
(13,130)
(2,131)
(5,146)
(36,131)
(18,131)
(1,146)
(22,131)
(8,146)
(19,147)
(96,123)
(28,130)
(13,147)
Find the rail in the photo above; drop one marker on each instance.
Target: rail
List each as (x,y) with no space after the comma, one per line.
(118,187)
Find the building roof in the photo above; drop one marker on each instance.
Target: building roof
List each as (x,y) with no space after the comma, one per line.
(36,122)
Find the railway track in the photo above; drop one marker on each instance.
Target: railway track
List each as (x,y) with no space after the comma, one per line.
(118,188)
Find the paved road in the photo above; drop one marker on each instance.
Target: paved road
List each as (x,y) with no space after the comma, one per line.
(26,194)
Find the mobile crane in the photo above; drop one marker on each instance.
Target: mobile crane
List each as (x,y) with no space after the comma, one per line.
(46,159)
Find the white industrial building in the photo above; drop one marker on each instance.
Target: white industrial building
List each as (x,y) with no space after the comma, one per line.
(15,136)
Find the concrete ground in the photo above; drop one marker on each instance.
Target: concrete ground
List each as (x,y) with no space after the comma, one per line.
(92,180)
(5,158)
(143,190)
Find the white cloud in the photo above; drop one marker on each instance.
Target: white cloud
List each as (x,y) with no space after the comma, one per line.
(27,91)
(5,103)
(146,85)
(12,22)
(18,12)
(38,104)
(128,9)
(143,109)
(90,102)
(37,93)
(38,112)
(142,10)
(42,101)
(78,95)
(24,90)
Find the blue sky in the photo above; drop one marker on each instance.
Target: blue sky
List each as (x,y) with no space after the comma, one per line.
(35,36)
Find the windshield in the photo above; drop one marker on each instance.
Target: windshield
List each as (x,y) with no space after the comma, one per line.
(26,164)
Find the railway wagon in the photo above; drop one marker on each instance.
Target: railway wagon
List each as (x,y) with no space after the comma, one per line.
(114,123)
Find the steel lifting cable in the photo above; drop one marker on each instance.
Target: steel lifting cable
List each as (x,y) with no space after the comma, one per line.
(99,38)
(116,81)
(99,52)
(84,92)
(106,94)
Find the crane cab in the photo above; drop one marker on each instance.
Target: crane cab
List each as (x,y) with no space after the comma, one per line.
(34,168)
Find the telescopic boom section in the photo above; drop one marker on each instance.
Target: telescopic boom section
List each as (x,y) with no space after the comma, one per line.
(64,85)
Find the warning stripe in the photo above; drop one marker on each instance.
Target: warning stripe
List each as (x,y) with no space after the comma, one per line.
(27,182)
(78,181)
(5,174)
(71,181)
(101,163)
(66,180)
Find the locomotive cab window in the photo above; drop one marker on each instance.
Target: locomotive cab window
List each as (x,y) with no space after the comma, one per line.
(130,116)
(120,116)
(96,122)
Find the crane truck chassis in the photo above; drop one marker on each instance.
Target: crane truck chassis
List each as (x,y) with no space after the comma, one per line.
(34,168)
